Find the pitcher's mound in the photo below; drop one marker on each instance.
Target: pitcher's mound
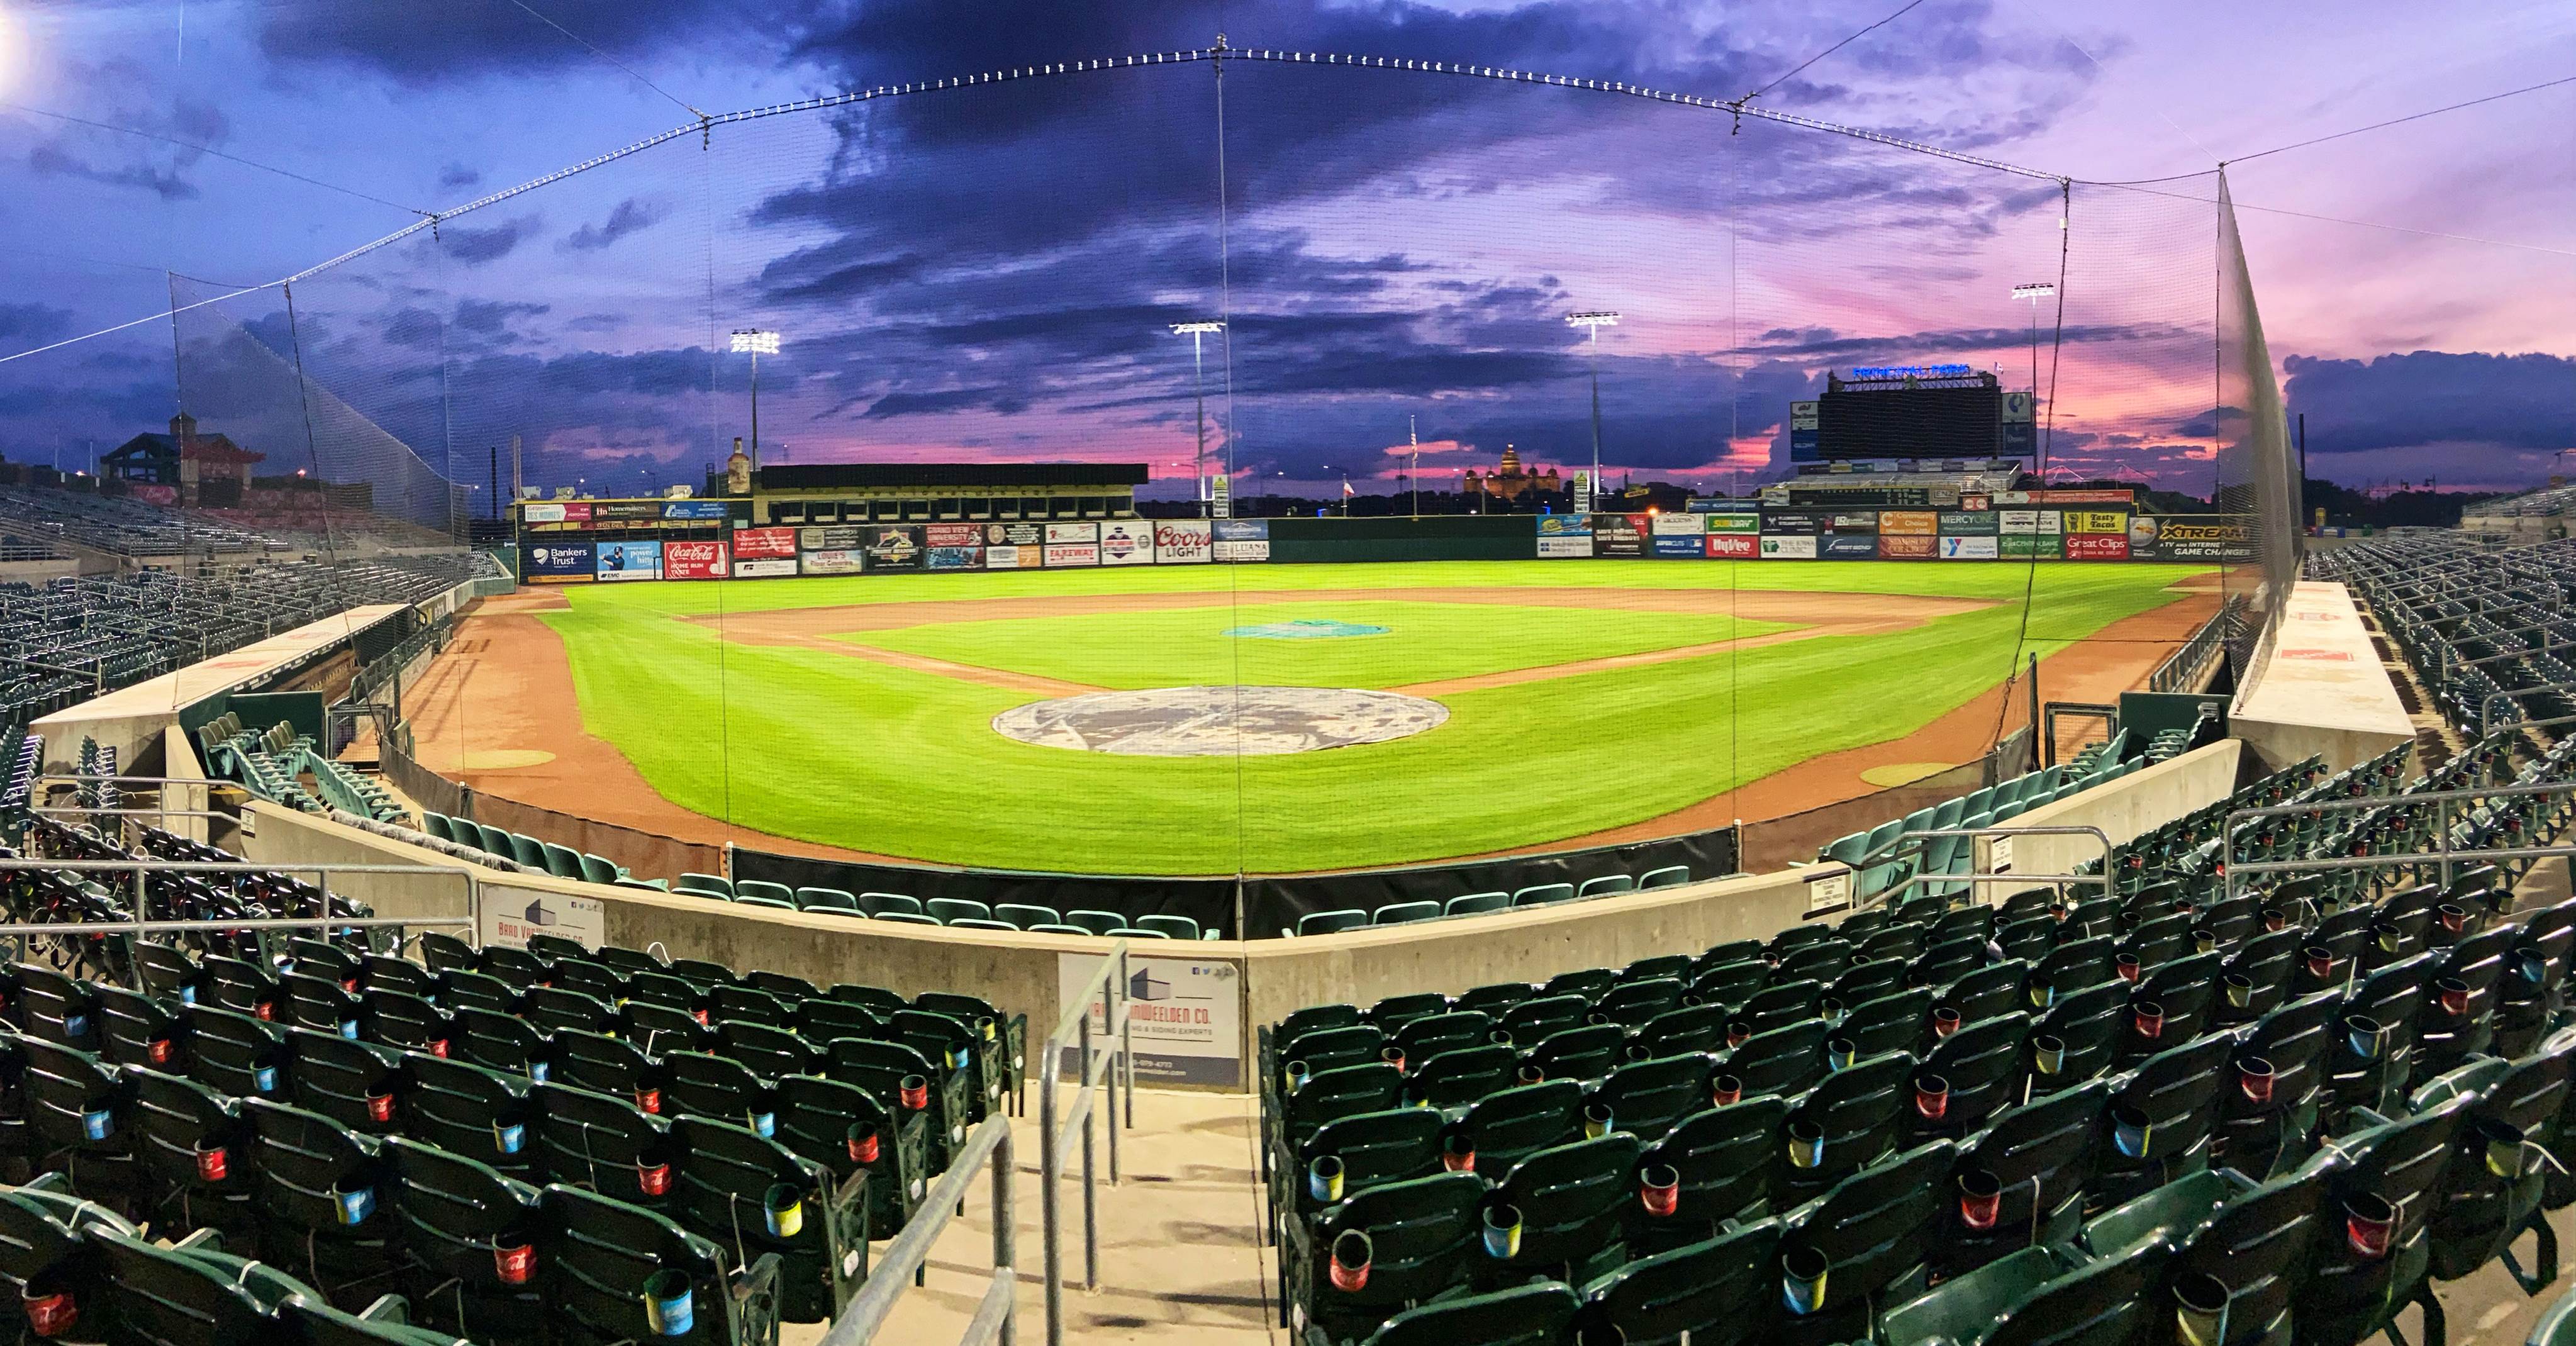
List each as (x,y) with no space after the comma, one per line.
(1219,721)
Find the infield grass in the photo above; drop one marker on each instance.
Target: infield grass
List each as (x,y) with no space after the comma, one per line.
(848,751)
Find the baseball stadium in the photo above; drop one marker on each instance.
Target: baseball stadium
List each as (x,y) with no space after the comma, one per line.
(1350,699)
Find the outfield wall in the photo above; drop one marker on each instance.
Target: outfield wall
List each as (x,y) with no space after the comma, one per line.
(2094,526)
(1251,983)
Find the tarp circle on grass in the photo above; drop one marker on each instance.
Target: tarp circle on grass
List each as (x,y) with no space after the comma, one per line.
(1219,721)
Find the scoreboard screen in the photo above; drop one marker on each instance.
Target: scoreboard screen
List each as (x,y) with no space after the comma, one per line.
(1911,417)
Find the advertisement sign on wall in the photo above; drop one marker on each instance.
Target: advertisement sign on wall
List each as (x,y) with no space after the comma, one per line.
(1014,558)
(952,535)
(534,512)
(1907,547)
(1564,536)
(1747,522)
(1853,521)
(2028,546)
(630,561)
(1792,523)
(508,921)
(1127,542)
(2027,522)
(1969,523)
(1060,554)
(1672,548)
(693,560)
(1183,542)
(892,546)
(953,558)
(1849,547)
(832,561)
(626,511)
(1618,534)
(1968,548)
(1787,548)
(693,509)
(2210,538)
(1242,540)
(2096,521)
(1183,1016)
(1072,532)
(764,544)
(1015,535)
(558,563)
(1677,525)
(2098,546)
(1734,546)
(770,569)
(1910,522)
(841,537)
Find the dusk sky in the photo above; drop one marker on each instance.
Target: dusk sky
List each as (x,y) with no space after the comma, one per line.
(990,272)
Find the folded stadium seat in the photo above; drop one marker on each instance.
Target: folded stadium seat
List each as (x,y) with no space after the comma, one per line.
(705,883)
(1986,992)
(2348,1296)
(2085,1028)
(728,1005)
(1899,1021)
(1692,1028)
(1873,1231)
(603,1143)
(1177,927)
(1584,1053)
(831,900)
(322,1197)
(907,918)
(1591,983)
(235,1054)
(188,1292)
(359,1085)
(1854,1117)
(1713,1293)
(879,904)
(1475,904)
(1538,895)
(435,824)
(1461,1075)
(772,903)
(1420,1039)
(1604,885)
(1780,1004)
(1646,1098)
(453,1212)
(949,909)
(2037,1296)
(177,1120)
(1324,922)
(1055,930)
(475,1111)
(1345,1158)
(727,1187)
(594,869)
(518,968)
(1097,922)
(80,1118)
(711,893)
(2484,1207)
(656,885)
(599,1063)
(562,861)
(604,1252)
(828,1122)
(974,923)
(1404,913)
(1396,1011)
(1536,1018)
(1022,914)
(1569,1200)
(1420,1242)
(528,851)
(1537,1314)
(2161,1116)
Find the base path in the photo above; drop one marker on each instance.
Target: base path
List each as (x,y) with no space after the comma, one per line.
(499,712)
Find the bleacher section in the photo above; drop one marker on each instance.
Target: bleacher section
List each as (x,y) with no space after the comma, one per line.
(2486,633)
(540,1145)
(126,526)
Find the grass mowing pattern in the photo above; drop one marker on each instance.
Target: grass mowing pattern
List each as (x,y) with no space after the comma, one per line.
(850,752)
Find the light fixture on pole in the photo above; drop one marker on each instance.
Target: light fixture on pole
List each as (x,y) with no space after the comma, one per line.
(2034,291)
(1593,322)
(1197,333)
(755,342)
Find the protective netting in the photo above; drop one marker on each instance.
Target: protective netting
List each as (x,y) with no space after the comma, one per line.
(991,272)
(2258,477)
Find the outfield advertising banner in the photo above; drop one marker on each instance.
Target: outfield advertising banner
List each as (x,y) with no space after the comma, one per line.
(1907,547)
(1014,558)
(545,512)
(1182,542)
(693,560)
(1852,521)
(952,535)
(1065,554)
(1127,542)
(1734,546)
(1679,548)
(2028,547)
(2096,521)
(1015,535)
(1908,522)
(1792,523)
(1619,534)
(832,561)
(1787,548)
(1564,536)
(628,511)
(1242,540)
(765,544)
(693,509)
(1746,523)
(895,546)
(558,563)
(2027,522)
(1072,533)
(2215,537)
(843,537)
(1849,547)
(953,558)
(1676,525)
(1969,548)
(1969,523)
(770,569)
(2098,546)
(630,561)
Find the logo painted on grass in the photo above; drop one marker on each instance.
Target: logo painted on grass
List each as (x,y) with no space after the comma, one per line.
(1304,628)
(1220,721)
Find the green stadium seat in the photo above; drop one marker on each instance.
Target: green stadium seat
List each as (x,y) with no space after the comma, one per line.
(948,910)
(1541,894)
(1097,922)
(1027,916)
(594,869)
(528,851)
(828,899)
(1603,885)
(649,885)
(1177,927)
(1405,913)
(1537,1314)
(705,883)
(978,923)
(452,1212)
(435,824)
(773,903)
(605,1253)
(1131,932)
(881,904)
(682,889)
(1049,929)
(906,918)
(1670,876)
(725,1187)
(775,892)
(1717,1292)
(1475,904)
(1331,922)
(562,861)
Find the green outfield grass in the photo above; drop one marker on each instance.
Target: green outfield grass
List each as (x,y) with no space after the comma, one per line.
(849,751)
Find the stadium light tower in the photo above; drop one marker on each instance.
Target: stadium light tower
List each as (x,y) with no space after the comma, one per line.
(1593,322)
(754,342)
(2034,291)
(1197,333)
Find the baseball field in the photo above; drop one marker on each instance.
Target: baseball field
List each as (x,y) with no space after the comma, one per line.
(1271,718)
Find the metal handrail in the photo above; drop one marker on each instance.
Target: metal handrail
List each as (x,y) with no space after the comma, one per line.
(2441,799)
(2207,645)
(2110,854)
(1101,1068)
(996,1314)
